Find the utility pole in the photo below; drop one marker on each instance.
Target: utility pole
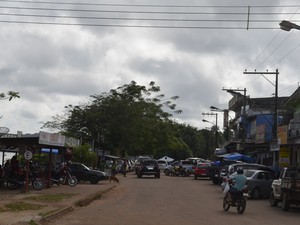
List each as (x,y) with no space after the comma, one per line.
(243,116)
(276,73)
(216,124)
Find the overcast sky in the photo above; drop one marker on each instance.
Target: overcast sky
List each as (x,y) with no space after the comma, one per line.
(60,54)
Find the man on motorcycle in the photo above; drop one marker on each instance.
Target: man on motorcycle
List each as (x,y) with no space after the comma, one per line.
(239,181)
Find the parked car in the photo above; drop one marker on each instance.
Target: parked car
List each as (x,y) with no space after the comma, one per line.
(201,170)
(148,167)
(84,173)
(184,163)
(233,167)
(162,164)
(227,170)
(137,163)
(259,182)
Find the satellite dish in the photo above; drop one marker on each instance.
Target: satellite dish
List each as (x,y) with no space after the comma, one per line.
(3,131)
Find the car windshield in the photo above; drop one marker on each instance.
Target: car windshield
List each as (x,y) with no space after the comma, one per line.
(249,173)
(149,163)
(85,167)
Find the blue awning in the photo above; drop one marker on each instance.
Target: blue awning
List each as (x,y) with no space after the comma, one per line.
(239,157)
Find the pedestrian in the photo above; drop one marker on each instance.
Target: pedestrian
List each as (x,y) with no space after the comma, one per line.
(124,167)
(113,168)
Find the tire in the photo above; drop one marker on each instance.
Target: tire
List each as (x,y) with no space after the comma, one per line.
(215,181)
(226,203)
(72,181)
(38,184)
(195,177)
(12,184)
(94,180)
(167,172)
(255,193)
(157,176)
(272,200)
(285,201)
(241,206)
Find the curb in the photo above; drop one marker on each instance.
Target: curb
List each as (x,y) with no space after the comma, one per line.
(80,203)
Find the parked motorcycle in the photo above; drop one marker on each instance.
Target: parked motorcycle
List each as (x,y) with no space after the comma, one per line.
(237,199)
(180,171)
(15,180)
(64,176)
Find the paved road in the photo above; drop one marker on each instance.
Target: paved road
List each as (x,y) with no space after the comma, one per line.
(172,201)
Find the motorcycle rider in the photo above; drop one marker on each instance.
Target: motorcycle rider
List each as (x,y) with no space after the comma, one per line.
(239,181)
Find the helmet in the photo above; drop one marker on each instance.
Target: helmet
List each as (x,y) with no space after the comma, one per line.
(240,170)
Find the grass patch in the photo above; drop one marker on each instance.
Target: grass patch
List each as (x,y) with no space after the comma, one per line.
(32,223)
(50,197)
(3,209)
(22,206)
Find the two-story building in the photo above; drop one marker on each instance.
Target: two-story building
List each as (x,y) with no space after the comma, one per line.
(254,127)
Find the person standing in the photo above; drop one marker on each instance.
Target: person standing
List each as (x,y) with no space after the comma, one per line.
(124,167)
(114,168)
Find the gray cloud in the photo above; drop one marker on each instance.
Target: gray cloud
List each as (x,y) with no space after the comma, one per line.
(55,65)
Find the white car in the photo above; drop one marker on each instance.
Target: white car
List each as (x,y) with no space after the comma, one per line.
(162,164)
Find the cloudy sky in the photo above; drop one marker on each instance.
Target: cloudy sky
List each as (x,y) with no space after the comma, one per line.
(59,52)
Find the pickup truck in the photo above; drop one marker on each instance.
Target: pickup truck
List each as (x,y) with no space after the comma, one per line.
(215,171)
(286,188)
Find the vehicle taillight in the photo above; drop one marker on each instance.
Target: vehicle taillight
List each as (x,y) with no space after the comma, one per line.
(245,190)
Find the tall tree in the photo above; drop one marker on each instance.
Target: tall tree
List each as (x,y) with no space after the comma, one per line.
(127,120)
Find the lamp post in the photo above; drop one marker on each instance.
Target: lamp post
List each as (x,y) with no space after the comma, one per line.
(215,124)
(225,112)
(287,25)
(236,92)
(226,126)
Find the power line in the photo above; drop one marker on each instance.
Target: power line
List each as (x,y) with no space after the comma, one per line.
(134,26)
(256,23)
(148,5)
(137,19)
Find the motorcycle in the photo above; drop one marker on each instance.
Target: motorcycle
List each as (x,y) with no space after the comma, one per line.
(64,177)
(15,180)
(180,171)
(237,199)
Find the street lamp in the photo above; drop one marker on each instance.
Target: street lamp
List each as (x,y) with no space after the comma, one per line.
(206,121)
(287,25)
(225,112)
(226,116)
(216,131)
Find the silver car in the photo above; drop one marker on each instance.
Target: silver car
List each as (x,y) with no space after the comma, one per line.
(259,183)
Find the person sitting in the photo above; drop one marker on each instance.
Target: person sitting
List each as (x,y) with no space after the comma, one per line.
(239,181)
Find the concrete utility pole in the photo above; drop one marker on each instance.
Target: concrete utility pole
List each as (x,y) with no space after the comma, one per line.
(216,124)
(243,116)
(276,73)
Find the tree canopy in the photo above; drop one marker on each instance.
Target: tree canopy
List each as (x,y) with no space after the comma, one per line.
(10,95)
(131,120)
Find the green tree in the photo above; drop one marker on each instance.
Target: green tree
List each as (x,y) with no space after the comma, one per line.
(10,95)
(128,120)
(83,154)
(194,139)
